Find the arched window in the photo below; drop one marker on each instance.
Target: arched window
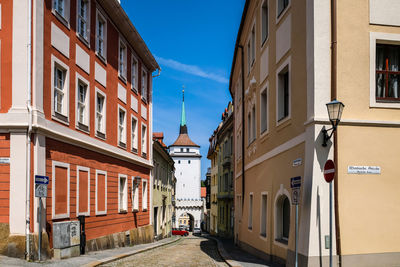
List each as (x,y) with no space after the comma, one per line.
(282,219)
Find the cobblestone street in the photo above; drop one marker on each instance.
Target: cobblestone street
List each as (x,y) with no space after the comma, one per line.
(190,251)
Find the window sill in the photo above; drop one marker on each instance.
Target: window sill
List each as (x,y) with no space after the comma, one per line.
(123,212)
(101,135)
(144,209)
(122,145)
(264,43)
(83,40)
(144,155)
(283,121)
(61,19)
(102,58)
(134,90)
(282,241)
(122,78)
(134,151)
(263,236)
(135,210)
(60,118)
(283,13)
(144,100)
(83,128)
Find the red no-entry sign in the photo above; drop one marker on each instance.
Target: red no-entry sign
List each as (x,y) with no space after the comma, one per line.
(329,171)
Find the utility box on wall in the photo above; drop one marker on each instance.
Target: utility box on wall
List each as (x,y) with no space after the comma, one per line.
(66,239)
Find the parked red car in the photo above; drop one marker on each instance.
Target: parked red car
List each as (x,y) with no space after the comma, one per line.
(179,232)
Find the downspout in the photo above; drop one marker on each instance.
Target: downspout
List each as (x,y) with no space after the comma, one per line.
(243,125)
(334,96)
(29,131)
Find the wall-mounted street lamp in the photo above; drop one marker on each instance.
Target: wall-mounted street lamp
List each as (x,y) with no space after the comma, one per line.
(335,109)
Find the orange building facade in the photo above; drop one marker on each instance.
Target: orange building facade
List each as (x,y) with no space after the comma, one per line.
(76,106)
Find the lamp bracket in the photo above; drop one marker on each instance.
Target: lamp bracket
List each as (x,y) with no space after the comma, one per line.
(327,136)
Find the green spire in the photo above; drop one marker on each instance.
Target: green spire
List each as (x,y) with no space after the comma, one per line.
(183,118)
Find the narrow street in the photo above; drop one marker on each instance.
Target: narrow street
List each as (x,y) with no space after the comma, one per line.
(189,251)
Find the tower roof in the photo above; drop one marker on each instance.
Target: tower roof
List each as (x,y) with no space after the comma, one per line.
(183,138)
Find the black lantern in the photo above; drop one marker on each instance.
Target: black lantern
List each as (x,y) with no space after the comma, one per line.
(335,109)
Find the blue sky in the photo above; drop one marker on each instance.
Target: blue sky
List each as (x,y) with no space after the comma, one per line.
(193,42)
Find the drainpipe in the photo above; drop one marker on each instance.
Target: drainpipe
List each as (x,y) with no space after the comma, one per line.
(243,126)
(29,131)
(334,96)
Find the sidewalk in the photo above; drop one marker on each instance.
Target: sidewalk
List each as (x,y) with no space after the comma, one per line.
(237,257)
(92,258)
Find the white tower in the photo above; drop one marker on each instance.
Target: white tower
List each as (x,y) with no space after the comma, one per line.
(186,155)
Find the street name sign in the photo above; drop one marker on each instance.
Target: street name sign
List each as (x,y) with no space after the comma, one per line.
(39,179)
(329,171)
(364,170)
(295,182)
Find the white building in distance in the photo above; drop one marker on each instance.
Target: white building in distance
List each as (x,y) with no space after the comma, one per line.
(187,158)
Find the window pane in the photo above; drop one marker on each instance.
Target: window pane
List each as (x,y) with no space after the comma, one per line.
(394,80)
(285,218)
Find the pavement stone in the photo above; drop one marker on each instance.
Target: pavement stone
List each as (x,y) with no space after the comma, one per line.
(92,258)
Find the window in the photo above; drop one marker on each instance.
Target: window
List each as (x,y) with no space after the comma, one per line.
(135,195)
(179,162)
(264,111)
(60,190)
(144,140)
(250,225)
(188,161)
(253,122)
(387,72)
(248,57)
(253,45)
(181,149)
(83,191)
(263,225)
(144,85)
(134,141)
(134,74)
(83,19)
(61,10)
(249,128)
(82,103)
(121,127)
(123,193)
(122,60)
(264,22)
(60,90)
(100,114)
(144,195)
(101,192)
(283,94)
(282,5)
(187,150)
(101,33)
(282,219)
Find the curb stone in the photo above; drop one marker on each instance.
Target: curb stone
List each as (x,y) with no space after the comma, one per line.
(124,255)
(225,255)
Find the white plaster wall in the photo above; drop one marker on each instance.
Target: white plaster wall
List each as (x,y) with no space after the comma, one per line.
(100,74)
(82,59)
(17,182)
(384,12)
(39,168)
(121,93)
(188,177)
(283,38)
(59,40)
(38,42)
(194,211)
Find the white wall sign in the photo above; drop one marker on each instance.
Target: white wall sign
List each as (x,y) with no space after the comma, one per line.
(4,160)
(297,162)
(364,170)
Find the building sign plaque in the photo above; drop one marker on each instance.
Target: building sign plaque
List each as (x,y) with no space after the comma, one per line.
(4,160)
(364,169)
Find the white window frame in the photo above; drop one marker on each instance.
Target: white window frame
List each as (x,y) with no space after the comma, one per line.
(262,39)
(380,38)
(104,113)
(261,216)
(122,72)
(144,139)
(121,139)
(53,191)
(265,130)
(123,206)
(284,11)
(100,16)
(79,79)
(286,64)
(250,216)
(101,212)
(134,73)
(85,169)
(145,83)
(144,195)
(65,102)
(134,133)
(135,196)
(86,36)
(65,15)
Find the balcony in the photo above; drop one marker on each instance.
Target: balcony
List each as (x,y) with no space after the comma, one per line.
(225,195)
(226,163)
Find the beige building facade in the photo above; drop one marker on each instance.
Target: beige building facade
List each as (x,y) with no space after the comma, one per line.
(280,82)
